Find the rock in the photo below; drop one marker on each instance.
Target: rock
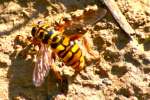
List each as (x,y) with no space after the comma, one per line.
(4,60)
(13,7)
(120,73)
(107,81)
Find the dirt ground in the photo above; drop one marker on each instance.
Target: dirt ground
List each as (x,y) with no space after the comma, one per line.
(121,73)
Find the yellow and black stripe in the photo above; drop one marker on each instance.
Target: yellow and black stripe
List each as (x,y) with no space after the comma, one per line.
(68,50)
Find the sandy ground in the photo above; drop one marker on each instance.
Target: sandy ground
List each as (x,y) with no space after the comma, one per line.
(121,73)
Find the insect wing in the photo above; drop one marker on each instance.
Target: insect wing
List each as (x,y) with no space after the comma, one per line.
(42,65)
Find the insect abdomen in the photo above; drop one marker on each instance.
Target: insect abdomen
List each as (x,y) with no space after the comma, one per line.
(70,52)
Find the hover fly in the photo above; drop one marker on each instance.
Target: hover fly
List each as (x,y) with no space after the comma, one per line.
(53,43)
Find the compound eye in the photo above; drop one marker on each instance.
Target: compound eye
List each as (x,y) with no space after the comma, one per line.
(33,31)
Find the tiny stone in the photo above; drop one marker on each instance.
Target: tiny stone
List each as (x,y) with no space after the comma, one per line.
(107,81)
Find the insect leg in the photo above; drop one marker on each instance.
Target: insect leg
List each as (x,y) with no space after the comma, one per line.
(55,68)
(56,71)
(62,81)
(87,45)
(62,24)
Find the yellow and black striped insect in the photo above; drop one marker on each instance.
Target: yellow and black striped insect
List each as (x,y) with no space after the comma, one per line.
(65,47)
(53,43)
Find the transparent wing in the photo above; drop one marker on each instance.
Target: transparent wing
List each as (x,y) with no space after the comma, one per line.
(42,65)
